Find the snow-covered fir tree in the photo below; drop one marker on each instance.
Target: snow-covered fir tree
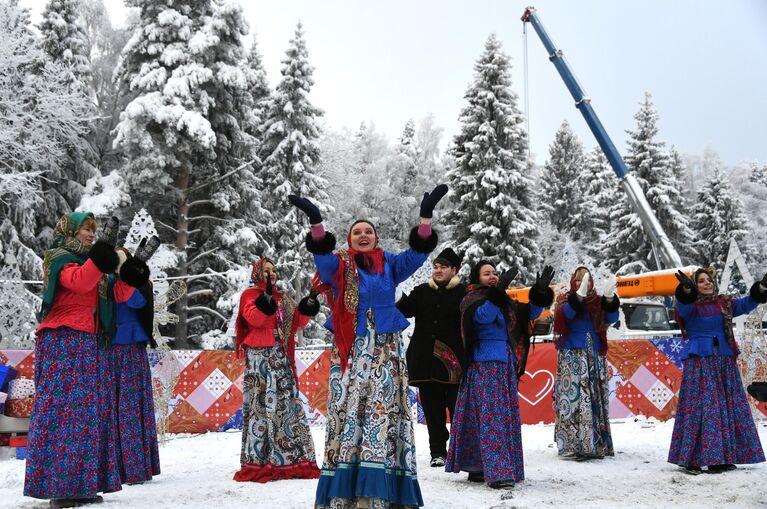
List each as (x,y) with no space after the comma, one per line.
(65,41)
(494,215)
(105,42)
(260,94)
(649,164)
(183,133)
(402,173)
(597,187)
(719,218)
(290,154)
(758,174)
(41,121)
(753,194)
(559,191)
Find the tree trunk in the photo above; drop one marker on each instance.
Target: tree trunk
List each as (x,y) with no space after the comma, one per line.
(182,240)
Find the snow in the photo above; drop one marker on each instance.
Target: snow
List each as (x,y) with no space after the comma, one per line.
(198,470)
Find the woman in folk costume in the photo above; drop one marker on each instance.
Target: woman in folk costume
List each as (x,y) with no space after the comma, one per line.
(581,394)
(713,425)
(72,452)
(486,435)
(276,441)
(137,430)
(369,445)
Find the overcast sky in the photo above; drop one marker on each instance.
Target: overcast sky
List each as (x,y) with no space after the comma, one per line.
(704,61)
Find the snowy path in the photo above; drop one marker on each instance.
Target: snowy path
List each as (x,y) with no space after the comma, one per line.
(197,473)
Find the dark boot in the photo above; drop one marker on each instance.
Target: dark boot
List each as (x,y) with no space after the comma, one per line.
(62,502)
(718,469)
(502,485)
(476,477)
(692,469)
(98,499)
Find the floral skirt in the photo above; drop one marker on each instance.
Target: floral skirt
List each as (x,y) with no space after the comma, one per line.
(276,441)
(713,423)
(369,444)
(486,434)
(582,403)
(72,441)
(137,429)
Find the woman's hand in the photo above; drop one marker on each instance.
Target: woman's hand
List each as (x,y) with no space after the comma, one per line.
(430,200)
(307,207)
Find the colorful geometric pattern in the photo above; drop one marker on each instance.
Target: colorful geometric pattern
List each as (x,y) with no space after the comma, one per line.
(645,380)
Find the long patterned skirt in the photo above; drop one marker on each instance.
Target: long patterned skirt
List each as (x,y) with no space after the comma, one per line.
(72,451)
(486,434)
(276,441)
(369,444)
(137,429)
(713,423)
(582,403)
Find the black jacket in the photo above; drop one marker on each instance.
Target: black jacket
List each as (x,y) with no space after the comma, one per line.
(435,349)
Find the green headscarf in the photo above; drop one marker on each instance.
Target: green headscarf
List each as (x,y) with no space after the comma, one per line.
(67,249)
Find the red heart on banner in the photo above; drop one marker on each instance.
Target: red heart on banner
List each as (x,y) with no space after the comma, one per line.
(537,386)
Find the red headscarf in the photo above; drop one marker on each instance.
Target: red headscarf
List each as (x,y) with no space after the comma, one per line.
(344,300)
(592,304)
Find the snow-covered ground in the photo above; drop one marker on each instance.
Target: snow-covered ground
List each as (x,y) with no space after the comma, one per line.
(197,473)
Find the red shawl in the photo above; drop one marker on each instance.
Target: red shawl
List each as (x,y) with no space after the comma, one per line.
(592,304)
(344,300)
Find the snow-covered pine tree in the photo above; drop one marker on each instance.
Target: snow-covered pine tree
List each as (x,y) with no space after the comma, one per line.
(184,136)
(41,119)
(597,186)
(719,218)
(65,41)
(649,164)
(494,215)
(758,174)
(429,167)
(683,175)
(397,214)
(561,174)
(105,42)
(260,94)
(290,154)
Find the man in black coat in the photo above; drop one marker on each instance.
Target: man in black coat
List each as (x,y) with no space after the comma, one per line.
(435,350)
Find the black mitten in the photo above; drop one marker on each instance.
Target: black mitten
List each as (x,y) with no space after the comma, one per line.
(757,293)
(610,306)
(109,232)
(575,302)
(309,305)
(104,257)
(134,272)
(146,249)
(266,305)
(310,209)
(430,200)
(497,296)
(685,292)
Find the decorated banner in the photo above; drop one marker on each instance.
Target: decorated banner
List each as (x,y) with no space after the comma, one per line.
(201,390)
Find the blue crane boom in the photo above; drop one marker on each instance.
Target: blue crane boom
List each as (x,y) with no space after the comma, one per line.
(666,256)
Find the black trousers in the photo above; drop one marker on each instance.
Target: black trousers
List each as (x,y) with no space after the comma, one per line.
(435,399)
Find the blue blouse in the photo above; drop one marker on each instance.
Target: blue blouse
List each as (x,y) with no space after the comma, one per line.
(129,329)
(377,291)
(704,324)
(490,329)
(581,324)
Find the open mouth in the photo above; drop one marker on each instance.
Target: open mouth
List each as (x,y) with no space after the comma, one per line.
(364,242)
